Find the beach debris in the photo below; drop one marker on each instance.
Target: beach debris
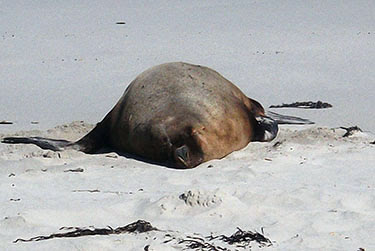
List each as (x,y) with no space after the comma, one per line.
(240,239)
(77,170)
(243,238)
(120,22)
(34,122)
(199,244)
(98,191)
(50,155)
(304,105)
(351,130)
(277,144)
(112,155)
(86,191)
(373,143)
(139,226)
(4,122)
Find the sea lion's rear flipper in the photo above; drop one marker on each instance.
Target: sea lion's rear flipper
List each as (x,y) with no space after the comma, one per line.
(289,120)
(90,143)
(44,143)
(266,128)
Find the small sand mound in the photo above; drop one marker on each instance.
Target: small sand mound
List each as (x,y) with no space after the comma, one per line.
(72,131)
(195,198)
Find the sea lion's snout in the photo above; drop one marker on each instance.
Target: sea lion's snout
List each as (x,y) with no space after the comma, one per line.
(267,128)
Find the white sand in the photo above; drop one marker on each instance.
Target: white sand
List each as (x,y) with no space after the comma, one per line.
(66,61)
(314,191)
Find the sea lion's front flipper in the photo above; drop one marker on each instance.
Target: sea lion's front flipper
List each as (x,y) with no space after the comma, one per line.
(44,143)
(182,156)
(187,156)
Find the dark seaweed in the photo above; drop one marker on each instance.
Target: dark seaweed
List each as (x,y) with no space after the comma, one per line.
(350,130)
(243,238)
(139,226)
(240,239)
(305,105)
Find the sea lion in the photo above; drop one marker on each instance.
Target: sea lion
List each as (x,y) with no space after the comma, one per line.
(175,113)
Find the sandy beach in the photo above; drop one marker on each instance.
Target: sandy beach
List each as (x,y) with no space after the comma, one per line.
(65,64)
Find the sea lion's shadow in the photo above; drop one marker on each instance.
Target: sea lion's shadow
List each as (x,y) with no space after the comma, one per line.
(107,150)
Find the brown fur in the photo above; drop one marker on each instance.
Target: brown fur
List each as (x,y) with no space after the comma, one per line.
(178,104)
